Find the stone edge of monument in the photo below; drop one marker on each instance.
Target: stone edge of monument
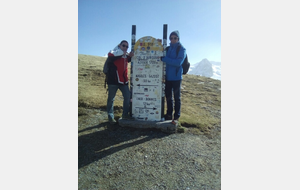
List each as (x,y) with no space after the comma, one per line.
(165,126)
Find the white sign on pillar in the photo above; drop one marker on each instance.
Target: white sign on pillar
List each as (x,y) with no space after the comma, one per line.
(147,79)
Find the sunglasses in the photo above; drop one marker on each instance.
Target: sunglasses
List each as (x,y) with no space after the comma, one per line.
(175,38)
(124,46)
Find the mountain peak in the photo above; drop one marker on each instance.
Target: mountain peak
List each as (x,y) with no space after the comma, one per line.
(206,68)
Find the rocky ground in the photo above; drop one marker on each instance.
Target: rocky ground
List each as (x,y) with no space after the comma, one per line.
(115,157)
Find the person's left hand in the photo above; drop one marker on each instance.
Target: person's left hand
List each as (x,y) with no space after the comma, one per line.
(131,54)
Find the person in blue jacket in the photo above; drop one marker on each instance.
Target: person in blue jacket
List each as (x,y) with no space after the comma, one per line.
(174,76)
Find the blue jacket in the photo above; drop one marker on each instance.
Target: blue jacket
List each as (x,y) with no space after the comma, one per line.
(174,62)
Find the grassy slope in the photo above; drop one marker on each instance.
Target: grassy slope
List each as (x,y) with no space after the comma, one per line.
(201,96)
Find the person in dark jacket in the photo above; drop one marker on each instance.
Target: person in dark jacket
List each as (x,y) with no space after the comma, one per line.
(117,78)
(174,76)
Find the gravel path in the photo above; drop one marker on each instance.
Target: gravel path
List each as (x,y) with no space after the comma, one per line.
(114,157)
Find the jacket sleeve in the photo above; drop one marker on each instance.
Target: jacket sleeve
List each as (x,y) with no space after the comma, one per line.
(179,59)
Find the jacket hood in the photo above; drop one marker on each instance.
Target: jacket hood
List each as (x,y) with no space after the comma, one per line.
(116,51)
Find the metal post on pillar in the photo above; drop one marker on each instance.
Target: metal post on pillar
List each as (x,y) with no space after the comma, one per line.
(165,31)
(133,33)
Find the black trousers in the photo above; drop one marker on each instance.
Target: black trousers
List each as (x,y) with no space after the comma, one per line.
(173,87)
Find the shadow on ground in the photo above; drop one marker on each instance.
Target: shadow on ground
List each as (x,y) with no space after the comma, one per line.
(111,139)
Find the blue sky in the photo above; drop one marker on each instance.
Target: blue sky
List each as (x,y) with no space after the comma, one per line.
(102,24)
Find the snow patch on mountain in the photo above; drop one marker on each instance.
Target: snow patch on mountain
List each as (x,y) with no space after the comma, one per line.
(206,68)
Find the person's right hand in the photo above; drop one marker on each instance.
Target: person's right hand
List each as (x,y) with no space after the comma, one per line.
(131,54)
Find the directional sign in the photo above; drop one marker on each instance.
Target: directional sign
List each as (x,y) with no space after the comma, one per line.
(147,79)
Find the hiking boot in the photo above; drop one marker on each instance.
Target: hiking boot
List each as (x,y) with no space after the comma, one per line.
(127,117)
(168,117)
(175,121)
(112,121)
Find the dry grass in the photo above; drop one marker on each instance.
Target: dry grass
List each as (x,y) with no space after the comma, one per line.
(201,96)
